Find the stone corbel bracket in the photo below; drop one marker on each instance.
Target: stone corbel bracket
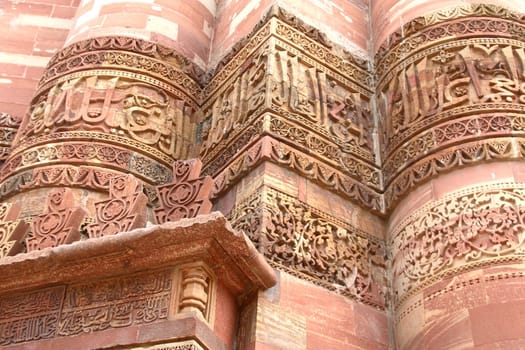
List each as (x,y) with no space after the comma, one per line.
(207,238)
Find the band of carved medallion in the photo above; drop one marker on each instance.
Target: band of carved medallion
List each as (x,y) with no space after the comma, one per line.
(85,177)
(468,153)
(479,226)
(126,52)
(419,24)
(94,154)
(314,245)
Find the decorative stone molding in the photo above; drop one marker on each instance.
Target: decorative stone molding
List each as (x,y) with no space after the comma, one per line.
(188,195)
(475,227)
(8,128)
(288,82)
(179,345)
(314,245)
(112,102)
(60,224)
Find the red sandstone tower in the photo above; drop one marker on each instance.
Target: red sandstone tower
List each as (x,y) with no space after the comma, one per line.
(262,174)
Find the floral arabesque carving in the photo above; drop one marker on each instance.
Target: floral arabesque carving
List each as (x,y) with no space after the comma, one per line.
(60,223)
(123,211)
(12,230)
(469,228)
(303,240)
(188,195)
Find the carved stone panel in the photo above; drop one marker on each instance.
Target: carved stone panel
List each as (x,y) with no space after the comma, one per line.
(30,316)
(12,230)
(123,211)
(466,229)
(60,224)
(313,245)
(115,303)
(449,94)
(188,196)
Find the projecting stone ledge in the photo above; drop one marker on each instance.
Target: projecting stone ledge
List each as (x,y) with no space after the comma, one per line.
(136,283)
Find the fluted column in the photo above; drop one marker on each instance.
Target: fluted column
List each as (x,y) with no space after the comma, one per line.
(450,97)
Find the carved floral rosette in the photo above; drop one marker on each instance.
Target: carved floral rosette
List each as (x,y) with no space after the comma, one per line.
(116,103)
(313,245)
(478,226)
(451,92)
(288,81)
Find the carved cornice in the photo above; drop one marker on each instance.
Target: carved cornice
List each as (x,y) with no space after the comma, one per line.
(313,245)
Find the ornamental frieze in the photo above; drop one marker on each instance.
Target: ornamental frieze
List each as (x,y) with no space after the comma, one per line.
(117,106)
(313,245)
(474,227)
(303,93)
(450,94)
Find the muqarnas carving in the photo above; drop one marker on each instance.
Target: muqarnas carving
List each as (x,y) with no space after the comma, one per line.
(12,230)
(60,224)
(123,211)
(188,196)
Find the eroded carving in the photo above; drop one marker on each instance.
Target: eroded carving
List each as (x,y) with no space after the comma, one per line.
(115,303)
(60,223)
(12,229)
(481,225)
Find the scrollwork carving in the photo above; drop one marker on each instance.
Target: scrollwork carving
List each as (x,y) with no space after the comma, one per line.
(481,225)
(300,238)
